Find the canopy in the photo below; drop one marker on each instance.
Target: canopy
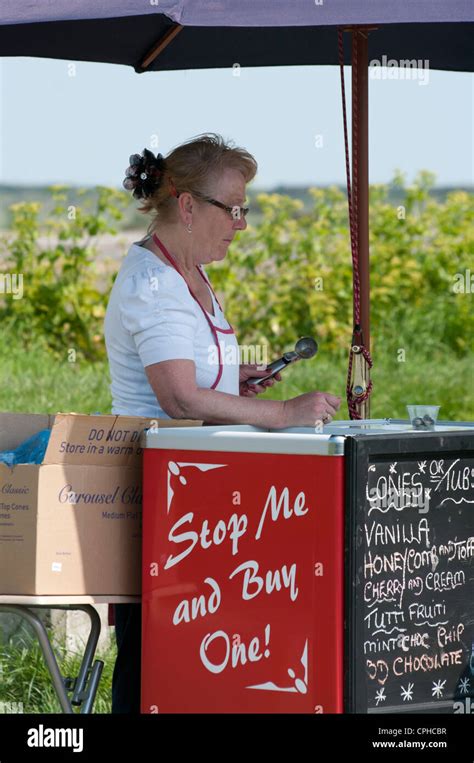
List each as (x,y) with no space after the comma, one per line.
(218,33)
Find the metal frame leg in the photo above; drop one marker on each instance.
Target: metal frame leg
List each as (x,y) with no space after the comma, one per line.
(87,681)
(85,686)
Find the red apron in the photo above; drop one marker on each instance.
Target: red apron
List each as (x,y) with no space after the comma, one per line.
(214,329)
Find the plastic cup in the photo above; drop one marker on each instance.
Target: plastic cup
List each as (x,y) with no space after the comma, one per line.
(423,417)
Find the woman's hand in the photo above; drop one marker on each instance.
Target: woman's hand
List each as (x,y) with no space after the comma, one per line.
(310,409)
(248,371)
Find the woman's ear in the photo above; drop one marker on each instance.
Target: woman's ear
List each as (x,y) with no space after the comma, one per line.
(185,205)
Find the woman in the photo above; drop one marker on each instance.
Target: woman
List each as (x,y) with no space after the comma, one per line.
(164,327)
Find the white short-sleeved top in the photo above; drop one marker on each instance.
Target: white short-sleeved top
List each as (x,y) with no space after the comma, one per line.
(151,316)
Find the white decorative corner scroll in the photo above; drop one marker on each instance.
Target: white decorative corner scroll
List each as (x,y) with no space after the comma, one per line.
(300,685)
(174,469)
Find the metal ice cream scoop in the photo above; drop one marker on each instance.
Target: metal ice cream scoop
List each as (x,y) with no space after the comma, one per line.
(305,348)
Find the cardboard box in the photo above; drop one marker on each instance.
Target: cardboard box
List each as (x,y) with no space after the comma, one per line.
(72,525)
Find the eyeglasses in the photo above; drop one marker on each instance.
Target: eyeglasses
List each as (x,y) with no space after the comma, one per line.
(235,212)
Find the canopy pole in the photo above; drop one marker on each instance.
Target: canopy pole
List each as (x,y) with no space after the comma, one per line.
(360,173)
(359,385)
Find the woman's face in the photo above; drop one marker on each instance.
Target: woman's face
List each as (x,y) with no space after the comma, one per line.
(213,227)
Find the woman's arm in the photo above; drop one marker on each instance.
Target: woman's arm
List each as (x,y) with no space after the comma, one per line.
(174,384)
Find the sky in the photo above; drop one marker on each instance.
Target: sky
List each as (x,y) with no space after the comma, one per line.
(78,122)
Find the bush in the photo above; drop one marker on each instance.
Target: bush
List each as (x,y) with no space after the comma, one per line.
(289,276)
(292,275)
(62,309)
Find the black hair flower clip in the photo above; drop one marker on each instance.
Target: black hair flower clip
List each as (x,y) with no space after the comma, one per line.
(144,174)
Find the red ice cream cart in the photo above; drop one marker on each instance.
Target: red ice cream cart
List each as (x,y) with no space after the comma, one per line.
(298,572)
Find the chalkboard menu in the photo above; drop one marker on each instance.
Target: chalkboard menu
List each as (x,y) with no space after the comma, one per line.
(410,573)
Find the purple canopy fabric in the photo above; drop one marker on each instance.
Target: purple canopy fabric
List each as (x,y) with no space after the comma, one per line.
(246,12)
(219,33)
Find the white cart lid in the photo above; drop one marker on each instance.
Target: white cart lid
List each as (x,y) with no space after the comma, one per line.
(243,438)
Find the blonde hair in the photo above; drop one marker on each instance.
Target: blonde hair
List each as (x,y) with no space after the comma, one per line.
(194,166)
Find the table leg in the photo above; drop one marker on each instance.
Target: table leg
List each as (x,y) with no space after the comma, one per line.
(85,690)
(47,650)
(85,686)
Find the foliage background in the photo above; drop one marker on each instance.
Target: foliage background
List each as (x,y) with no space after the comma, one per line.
(288,275)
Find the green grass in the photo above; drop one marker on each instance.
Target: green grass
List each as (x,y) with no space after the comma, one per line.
(36,382)
(25,678)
